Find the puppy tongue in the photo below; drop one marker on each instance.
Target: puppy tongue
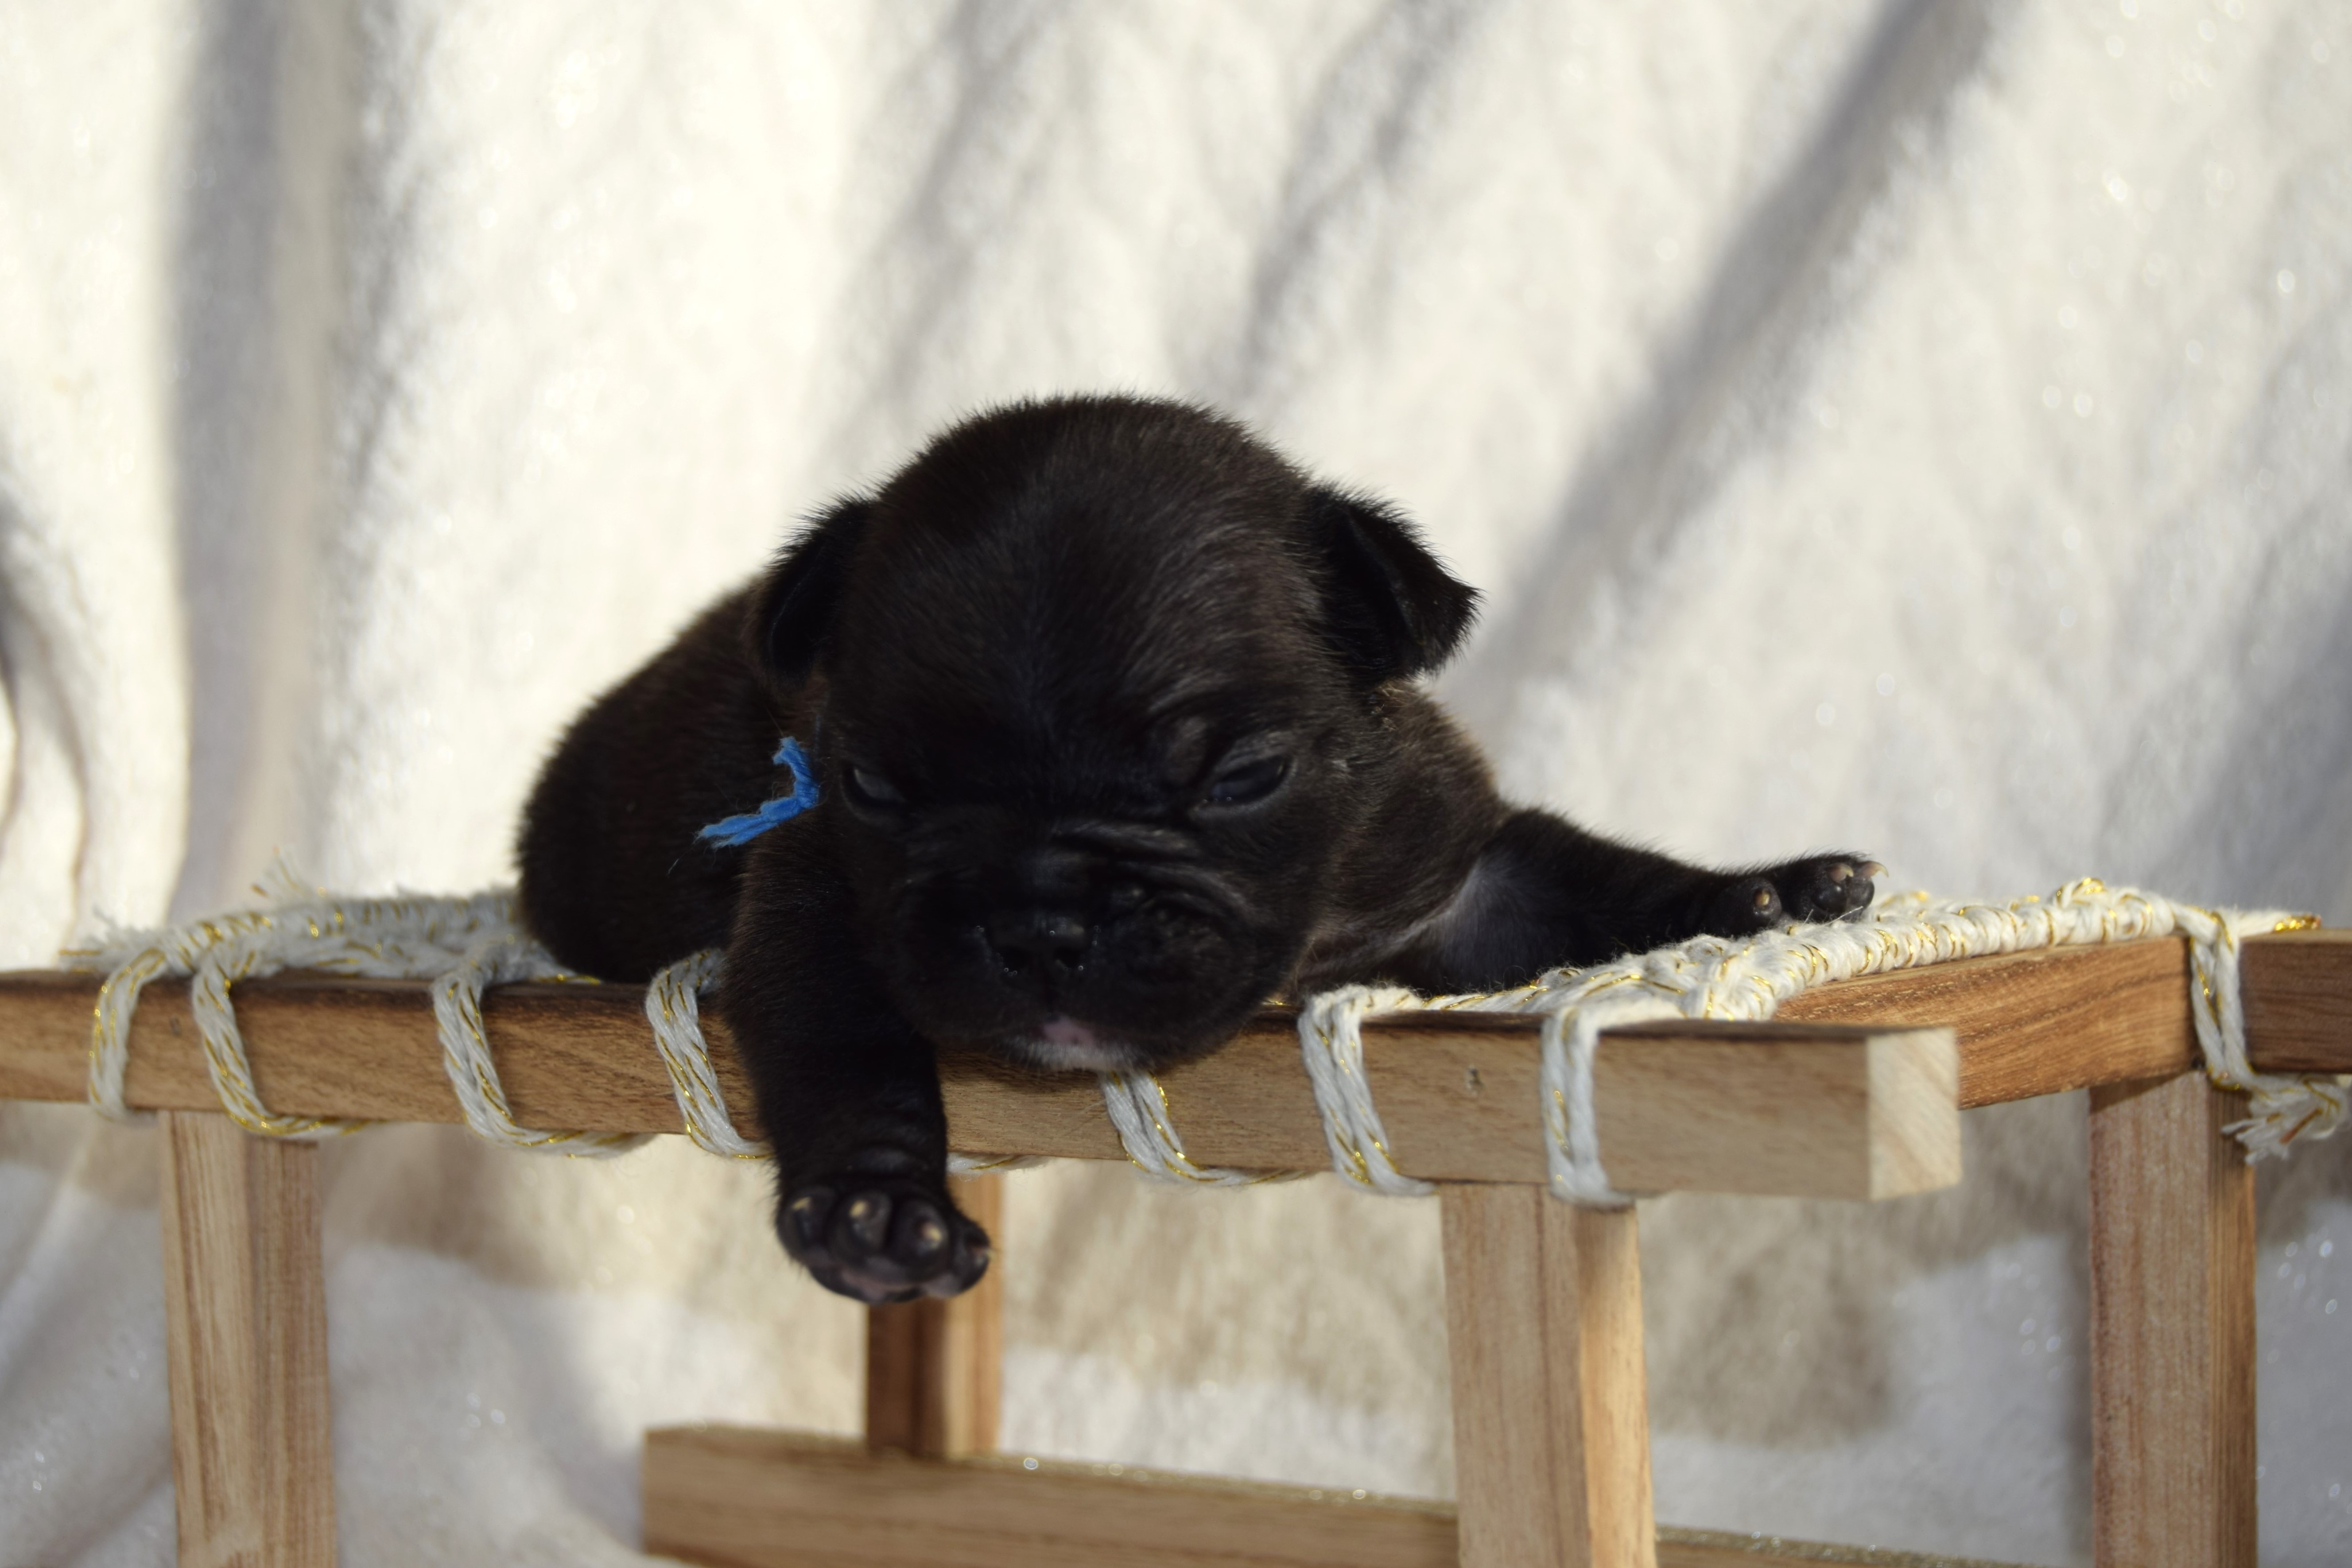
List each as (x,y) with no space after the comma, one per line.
(1061,1031)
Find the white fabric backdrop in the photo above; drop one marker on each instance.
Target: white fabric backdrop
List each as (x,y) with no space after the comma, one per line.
(1917,427)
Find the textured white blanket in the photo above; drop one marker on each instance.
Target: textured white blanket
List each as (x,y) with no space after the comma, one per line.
(1924,428)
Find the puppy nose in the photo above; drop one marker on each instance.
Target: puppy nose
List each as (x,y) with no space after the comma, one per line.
(1039,941)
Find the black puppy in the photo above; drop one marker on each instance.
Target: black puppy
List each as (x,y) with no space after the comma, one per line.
(1107,723)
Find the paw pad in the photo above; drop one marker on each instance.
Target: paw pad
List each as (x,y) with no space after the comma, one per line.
(878,1238)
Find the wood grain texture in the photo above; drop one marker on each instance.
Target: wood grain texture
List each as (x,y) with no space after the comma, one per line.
(1763,1108)
(571,1056)
(740,1499)
(764,1499)
(244,1296)
(578,1056)
(1723,1549)
(1814,1111)
(1800,1110)
(1552,1436)
(2035,1023)
(2298,994)
(1690,1106)
(2172,1329)
(934,1370)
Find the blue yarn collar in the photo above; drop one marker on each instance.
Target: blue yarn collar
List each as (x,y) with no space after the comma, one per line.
(737,830)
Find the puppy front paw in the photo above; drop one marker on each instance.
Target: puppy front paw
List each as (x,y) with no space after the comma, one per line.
(1818,888)
(881,1238)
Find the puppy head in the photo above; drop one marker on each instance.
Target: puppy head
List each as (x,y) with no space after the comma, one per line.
(1099,694)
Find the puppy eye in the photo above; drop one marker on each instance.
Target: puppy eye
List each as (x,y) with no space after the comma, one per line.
(1248,783)
(869,788)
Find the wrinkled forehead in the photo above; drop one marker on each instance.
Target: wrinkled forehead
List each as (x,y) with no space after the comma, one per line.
(1073,638)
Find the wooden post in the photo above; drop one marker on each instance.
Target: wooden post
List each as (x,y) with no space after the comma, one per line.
(2172,1329)
(1551,1430)
(934,1370)
(245,1296)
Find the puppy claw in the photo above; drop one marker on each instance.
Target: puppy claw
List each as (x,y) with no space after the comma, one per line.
(803,1218)
(1749,904)
(866,1217)
(1819,888)
(1829,887)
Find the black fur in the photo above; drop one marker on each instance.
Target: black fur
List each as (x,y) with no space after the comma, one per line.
(1114,716)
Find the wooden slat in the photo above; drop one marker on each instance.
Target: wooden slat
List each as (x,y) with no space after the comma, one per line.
(2028,1024)
(571,1056)
(764,1499)
(934,1370)
(2042,1022)
(2298,994)
(2172,1329)
(769,1499)
(1818,1111)
(1452,1086)
(1723,1549)
(244,1296)
(2035,1023)
(1551,1432)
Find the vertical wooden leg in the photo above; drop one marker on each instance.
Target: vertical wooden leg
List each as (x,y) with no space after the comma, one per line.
(934,1370)
(1551,1424)
(2172,1329)
(245,1296)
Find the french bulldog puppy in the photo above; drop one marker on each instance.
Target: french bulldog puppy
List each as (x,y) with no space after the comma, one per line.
(1108,727)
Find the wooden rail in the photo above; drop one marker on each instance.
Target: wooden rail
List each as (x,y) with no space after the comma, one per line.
(1853,1091)
(579,1055)
(750,1499)
(1815,1111)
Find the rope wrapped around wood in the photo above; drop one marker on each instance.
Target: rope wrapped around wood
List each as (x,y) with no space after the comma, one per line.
(464,945)
(1746,979)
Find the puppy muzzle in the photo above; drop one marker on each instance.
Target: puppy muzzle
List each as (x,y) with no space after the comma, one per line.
(1063,1043)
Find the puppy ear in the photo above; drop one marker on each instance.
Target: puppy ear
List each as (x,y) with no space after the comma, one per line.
(792,614)
(1394,611)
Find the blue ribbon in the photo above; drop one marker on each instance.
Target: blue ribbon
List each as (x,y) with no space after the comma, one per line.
(738,830)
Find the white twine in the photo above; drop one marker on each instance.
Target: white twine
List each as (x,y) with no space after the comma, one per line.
(496,958)
(466,944)
(1746,978)
(1139,1108)
(674,1007)
(376,937)
(462,944)
(1331,1039)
